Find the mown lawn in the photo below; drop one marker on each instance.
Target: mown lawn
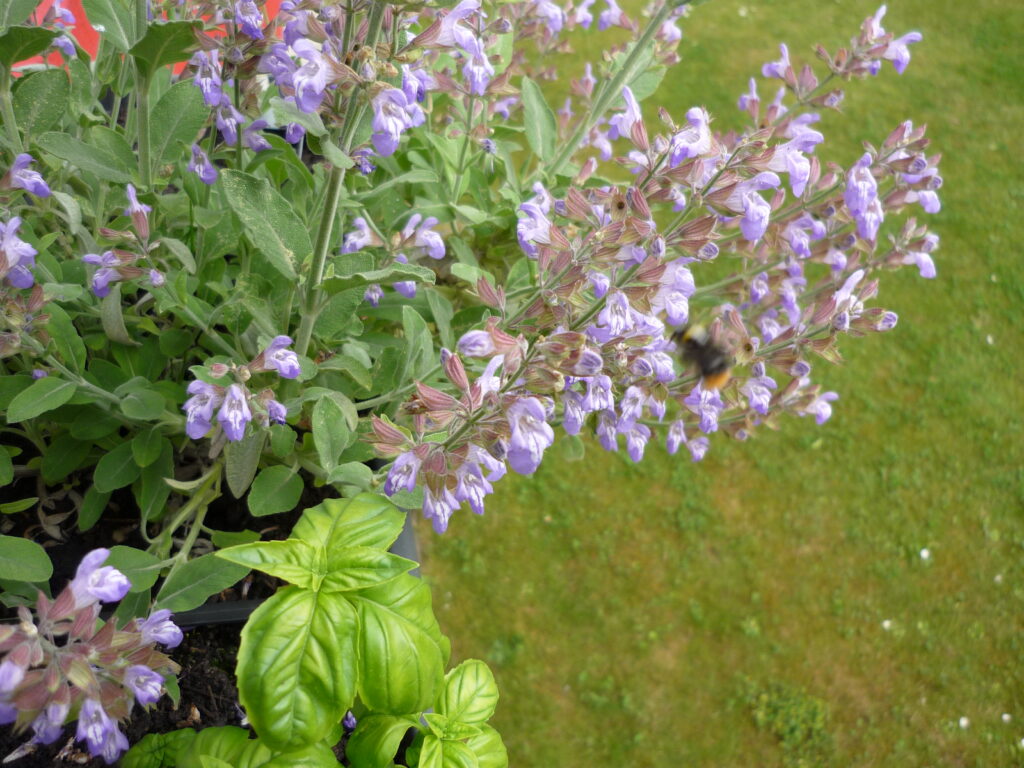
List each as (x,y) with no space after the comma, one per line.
(771,606)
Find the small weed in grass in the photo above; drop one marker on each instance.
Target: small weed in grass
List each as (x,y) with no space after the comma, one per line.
(798,720)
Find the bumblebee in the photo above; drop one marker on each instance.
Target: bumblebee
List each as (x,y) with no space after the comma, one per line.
(699,350)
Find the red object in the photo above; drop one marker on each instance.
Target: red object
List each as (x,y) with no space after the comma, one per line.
(89,39)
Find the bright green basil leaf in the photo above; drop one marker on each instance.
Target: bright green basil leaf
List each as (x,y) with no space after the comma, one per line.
(470,693)
(539,121)
(241,460)
(296,666)
(159,750)
(376,739)
(23,560)
(147,445)
(141,568)
(190,585)
(368,520)
(41,100)
(225,743)
(360,567)
(293,560)
(20,43)
(116,20)
(42,396)
(214,762)
(437,723)
(273,227)
(164,43)
(489,748)
(116,469)
(438,753)
(176,119)
(63,456)
(318,755)
(87,157)
(275,489)
(458,731)
(401,649)
(392,273)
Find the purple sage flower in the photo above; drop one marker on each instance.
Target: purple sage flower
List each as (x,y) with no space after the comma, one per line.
(95,582)
(612,16)
(707,404)
(17,257)
(199,408)
(392,116)
(207,78)
(582,15)
(22,177)
(311,79)
(49,724)
(201,166)
(144,683)
(637,436)
(693,140)
(277,358)
(253,139)
(100,732)
(373,294)
(429,242)
(159,628)
(476,344)
(234,414)
(820,408)
(249,18)
(438,507)
(622,123)
(402,475)
(531,435)
(472,486)
(477,70)
(276,412)
(778,68)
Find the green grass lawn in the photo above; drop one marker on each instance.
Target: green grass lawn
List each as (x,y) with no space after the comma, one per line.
(770,606)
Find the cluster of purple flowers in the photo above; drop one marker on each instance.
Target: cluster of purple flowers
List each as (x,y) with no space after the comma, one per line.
(600,352)
(235,404)
(17,258)
(417,238)
(118,264)
(57,662)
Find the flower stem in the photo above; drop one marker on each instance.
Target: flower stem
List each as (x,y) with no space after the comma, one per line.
(613,88)
(142,114)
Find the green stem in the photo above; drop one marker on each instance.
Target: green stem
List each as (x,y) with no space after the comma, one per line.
(141,18)
(312,291)
(613,88)
(461,167)
(7,109)
(142,115)
(205,493)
